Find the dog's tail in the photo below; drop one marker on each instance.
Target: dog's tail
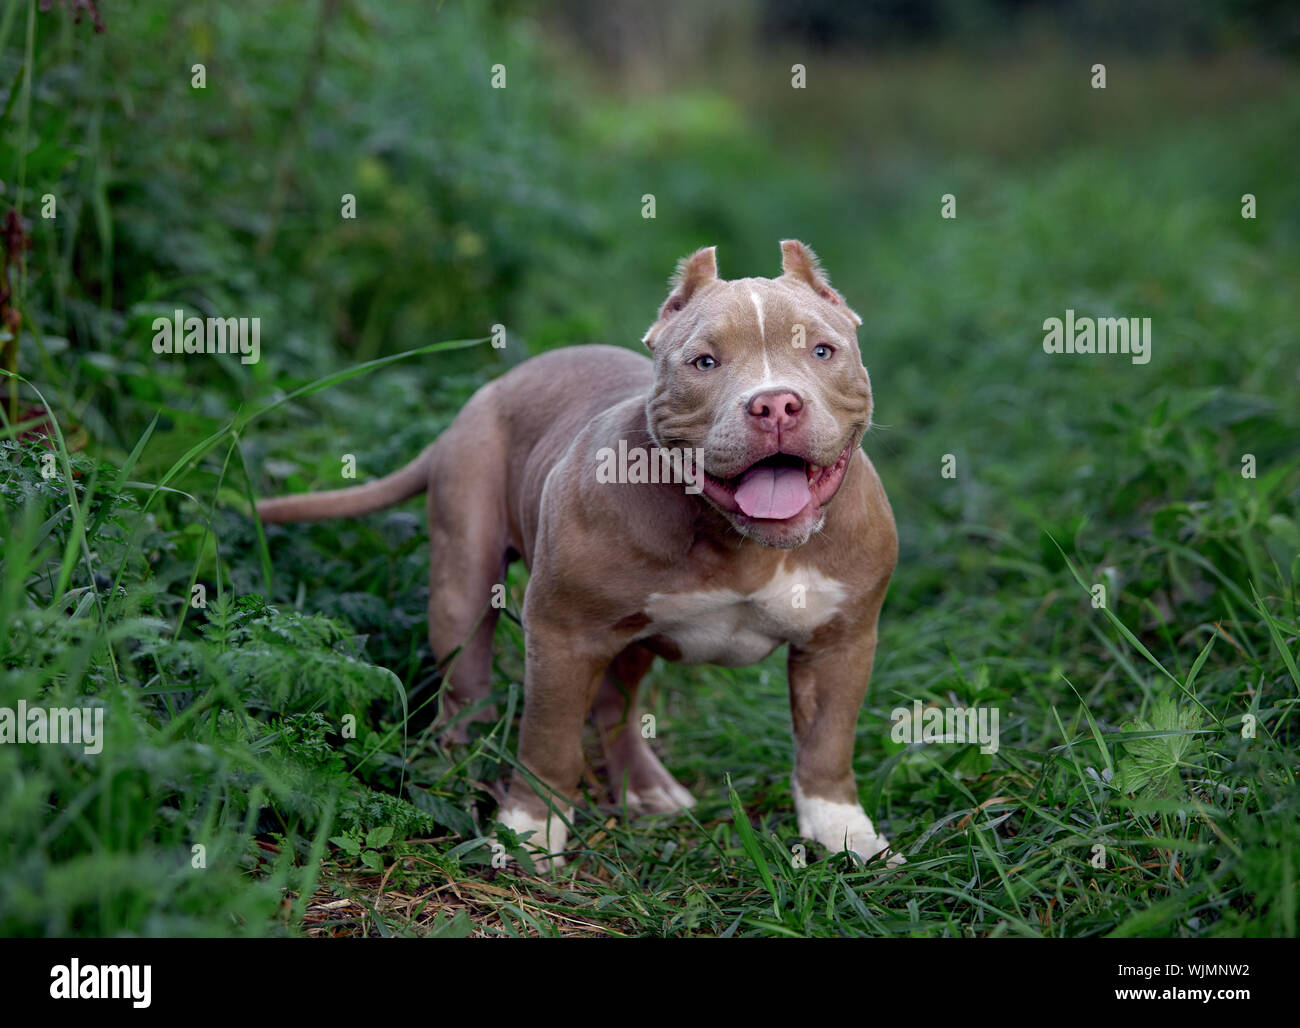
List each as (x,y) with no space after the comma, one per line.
(360,499)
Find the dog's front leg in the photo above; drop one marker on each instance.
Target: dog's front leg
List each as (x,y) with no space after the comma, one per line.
(827,686)
(561,676)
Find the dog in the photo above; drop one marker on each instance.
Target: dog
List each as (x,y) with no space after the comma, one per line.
(774,530)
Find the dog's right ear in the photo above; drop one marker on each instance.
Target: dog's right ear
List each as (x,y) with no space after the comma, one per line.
(694,271)
(799,262)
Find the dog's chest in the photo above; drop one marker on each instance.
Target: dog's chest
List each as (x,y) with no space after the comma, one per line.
(725,626)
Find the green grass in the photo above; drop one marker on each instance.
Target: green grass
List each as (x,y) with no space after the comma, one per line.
(285,726)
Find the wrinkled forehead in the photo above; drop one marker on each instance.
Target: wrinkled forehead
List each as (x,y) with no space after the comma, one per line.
(767,310)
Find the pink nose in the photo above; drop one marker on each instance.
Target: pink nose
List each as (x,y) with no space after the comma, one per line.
(776,411)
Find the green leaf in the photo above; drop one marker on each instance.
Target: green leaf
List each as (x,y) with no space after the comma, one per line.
(378,838)
(1151,765)
(1283,650)
(1092,724)
(749,842)
(347,844)
(458,927)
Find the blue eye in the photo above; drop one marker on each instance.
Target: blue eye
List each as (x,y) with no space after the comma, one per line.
(705,363)
(823,352)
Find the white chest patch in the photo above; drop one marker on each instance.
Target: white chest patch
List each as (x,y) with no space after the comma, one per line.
(723,626)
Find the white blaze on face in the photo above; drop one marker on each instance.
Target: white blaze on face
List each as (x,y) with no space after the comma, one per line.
(762,335)
(767,382)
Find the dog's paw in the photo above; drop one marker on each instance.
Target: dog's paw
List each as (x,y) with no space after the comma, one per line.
(840,826)
(549,836)
(666,798)
(639,780)
(650,789)
(869,846)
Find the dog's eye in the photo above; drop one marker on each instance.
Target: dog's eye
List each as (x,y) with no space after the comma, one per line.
(823,352)
(705,362)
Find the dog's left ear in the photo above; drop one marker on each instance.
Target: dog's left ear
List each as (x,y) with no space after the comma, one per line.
(694,271)
(798,261)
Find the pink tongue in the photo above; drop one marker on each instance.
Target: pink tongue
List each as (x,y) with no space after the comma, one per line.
(773,492)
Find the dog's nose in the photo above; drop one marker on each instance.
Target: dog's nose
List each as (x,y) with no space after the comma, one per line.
(776,411)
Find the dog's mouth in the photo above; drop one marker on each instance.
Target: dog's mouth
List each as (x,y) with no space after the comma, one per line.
(779,487)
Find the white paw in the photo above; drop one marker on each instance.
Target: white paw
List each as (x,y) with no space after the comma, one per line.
(839,826)
(550,834)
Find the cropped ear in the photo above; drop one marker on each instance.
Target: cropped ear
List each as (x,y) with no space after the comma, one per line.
(798,261)
(697,270)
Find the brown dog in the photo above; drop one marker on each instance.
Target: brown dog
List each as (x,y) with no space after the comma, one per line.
(706,508)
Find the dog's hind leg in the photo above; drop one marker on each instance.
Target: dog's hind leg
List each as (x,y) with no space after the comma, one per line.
(468,553)
(635,773)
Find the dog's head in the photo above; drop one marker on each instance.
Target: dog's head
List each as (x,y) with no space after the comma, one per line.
(764,376)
